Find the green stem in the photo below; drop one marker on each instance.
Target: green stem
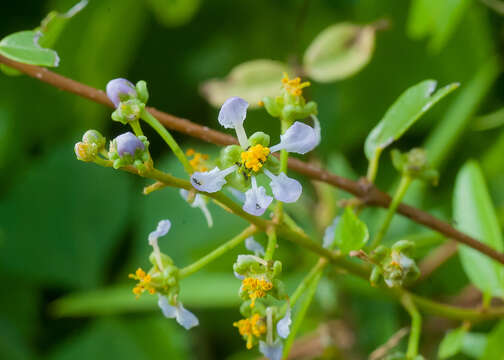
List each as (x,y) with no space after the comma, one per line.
(221,250)
(396,200)
(309,290)
(306,281)
(165,134)
(416,326)
(373,166)
(137,129)
(272,242)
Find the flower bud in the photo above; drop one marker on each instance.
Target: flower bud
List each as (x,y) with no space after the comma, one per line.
(128,143)
(127,149)
(128,111)
(120,90)
(85,152)
(94,137)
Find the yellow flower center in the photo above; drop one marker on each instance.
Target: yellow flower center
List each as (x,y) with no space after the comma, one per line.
(256,288)
(143,282)
(294,86)
(198,160)
(255,157)
(252,327)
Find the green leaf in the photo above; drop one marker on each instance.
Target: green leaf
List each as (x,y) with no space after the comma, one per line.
(495,346)
(62,220)
(54,23)
(405,111)
(474,344)
(251,80)
(351,233)
(23,47)
(173,13)
(120,299)
(339,51)
(452,343)
(475,215)
(489,121)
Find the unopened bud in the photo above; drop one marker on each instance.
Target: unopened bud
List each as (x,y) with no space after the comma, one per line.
(128,143)
(120,90)
(85,152)
(94,137)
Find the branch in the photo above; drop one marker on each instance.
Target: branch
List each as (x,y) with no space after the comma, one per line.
(362,189)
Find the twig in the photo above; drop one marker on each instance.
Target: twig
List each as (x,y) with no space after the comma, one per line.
(390,344)
(369,194)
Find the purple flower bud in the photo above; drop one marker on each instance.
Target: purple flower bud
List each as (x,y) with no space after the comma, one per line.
(128,143)
(118,88)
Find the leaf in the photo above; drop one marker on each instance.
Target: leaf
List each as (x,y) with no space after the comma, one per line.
(489,121)
(475,215)
(339,51)
(405,111)
(474,345)
(495,346)
(120,299)
(174,13)
(251,80)
(62,220)
(54,23)
(351,233)
(452,343)
(23,47)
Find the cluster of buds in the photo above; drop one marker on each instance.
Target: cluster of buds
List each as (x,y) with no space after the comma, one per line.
(394,264)
(414,164)
(128,149)
(163,279)
(92,144)
(265,309)
(128,99)
(290,105)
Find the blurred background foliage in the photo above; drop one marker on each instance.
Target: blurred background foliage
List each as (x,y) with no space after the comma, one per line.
(70,232)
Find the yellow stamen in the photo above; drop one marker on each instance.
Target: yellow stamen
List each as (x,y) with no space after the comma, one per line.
(294,86)
(251,327)
(255,157)
(143,282)
(197,162)
(256,288)
(260,103)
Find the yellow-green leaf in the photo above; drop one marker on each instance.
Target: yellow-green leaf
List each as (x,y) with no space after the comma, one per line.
(23,47)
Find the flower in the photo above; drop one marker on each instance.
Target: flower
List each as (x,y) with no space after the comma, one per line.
(199,201)
(120,89)
(283,326)
(162,229)
(256,288)
(144,282)
(254,246)
(273,349)
(250,328)
(128,143)
(295,86)
(254,158)
(183,316)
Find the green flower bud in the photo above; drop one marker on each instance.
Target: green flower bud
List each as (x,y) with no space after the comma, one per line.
(85,152)
(94,137)
(128,111)
(414,164)
(142,92)
(259,138)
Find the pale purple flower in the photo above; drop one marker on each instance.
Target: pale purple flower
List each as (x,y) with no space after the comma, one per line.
(256,200)
(283,325)
(271,351)
(183,316)
(254,246)
(199,202)
(128,143)
(120,88)
(211,181)
(284,188)
(299,138)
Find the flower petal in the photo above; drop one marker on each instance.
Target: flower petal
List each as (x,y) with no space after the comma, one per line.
(254,246)
(329,233)
(237,194)
(233,112)
(273,351)
(284,188)
(318,130)
(299,138)
(120,87)
(211,181)
(186,318)
(128,143)
(283,325)
(168,310)
(198,202)
(162,229)
(238,276)
(256,201)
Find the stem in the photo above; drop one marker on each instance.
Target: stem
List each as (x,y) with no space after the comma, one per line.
(221,250)
(272,242)
(137,129)
(416,326)
(306,281)
(373,166)
(310,292)
(396,200)
(284,159)
(170,141)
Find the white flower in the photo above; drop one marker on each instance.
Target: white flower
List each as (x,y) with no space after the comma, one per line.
(211,181)
(285,189)
(232,115)
(299,138)
(254,246)
(329,233)
(183,316)
(199,202)
(318,130)
(271,351)
(283,325)
(162,229)
(256,200)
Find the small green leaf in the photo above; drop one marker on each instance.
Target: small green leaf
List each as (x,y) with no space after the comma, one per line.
(452,343)
(23,47)
(339,51)
(54,23)
(475,215)
(251,80)
(474,344)
(351,233)
(495,346)
(405,111)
